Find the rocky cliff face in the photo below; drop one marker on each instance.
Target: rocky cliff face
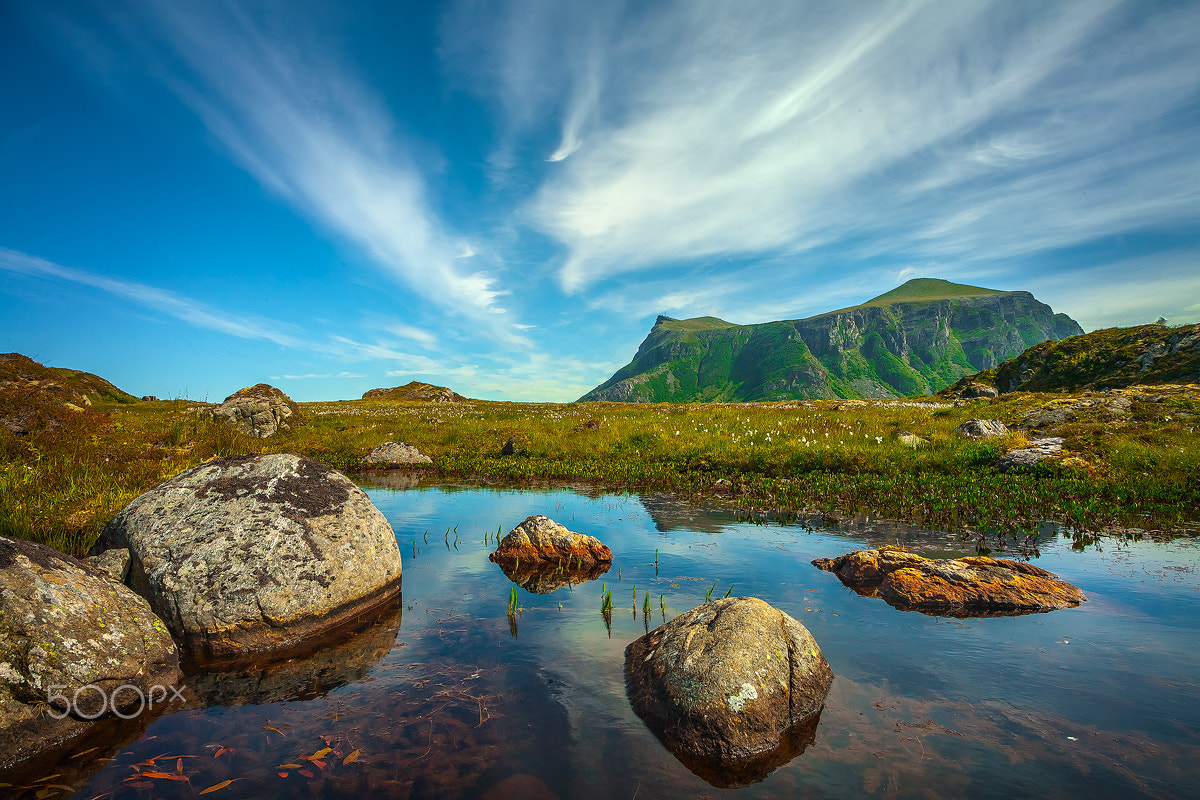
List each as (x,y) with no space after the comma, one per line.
(892,346)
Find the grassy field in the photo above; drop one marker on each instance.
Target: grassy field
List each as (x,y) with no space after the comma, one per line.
(1138,469)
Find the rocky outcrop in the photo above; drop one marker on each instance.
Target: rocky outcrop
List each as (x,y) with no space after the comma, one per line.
(396,454)
(415,391)
(260,411)
(70,637)
(541,540)
(725,685)
(251,553)
(982,429)
(953,587)
(1029,457)
(913,340)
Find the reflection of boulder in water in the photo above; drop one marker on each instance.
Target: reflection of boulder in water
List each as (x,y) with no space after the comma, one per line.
(395,479)
(546,578)
(302,674)
(734,773)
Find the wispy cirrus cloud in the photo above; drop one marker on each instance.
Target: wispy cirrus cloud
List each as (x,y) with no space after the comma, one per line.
(951,131)
(291,112)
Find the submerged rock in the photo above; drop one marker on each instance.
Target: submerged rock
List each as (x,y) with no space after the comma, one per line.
(396,454)
(251,553)
(1028,457)
(953,587)
(541,540)
(260,410)
(732,688)
(69,638)
(982,429)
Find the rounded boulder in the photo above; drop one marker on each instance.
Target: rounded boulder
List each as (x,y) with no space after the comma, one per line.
(75,646)
(728,684)
(256,552)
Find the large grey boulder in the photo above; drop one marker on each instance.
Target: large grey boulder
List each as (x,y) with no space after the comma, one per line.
(396,454)
(70,637)
(260,411)
(1029,457)
(982,429)
(251,553)
(727,685)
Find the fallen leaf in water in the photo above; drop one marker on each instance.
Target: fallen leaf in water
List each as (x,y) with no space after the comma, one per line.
(324,751)
(222,752)
(352,757)
(269,728)
(84,753)
(139,784)
(218,786)
(162,776)
(283,774)
(289,766)
(307,773)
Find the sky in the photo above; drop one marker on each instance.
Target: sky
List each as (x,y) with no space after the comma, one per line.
(500,196)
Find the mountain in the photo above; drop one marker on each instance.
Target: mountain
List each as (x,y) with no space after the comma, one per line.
(1112,358)
(415,391)
(916,339)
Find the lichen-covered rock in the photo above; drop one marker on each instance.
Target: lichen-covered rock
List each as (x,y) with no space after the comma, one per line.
(955,587)
(113,563)
(974,390)
(65,626)
(1028,457)
(541,540)
(251,553)
(909,439)
(982,429)
(396,453)
(260,410)
(726,683)
(415,391)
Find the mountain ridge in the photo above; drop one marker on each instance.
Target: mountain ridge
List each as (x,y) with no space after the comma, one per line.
(915,339)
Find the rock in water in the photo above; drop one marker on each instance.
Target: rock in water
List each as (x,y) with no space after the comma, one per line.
(726,685)
(982,429)
(251,553)
(65,626)
(260,410)
(396,453)
(954,587)
(541,540)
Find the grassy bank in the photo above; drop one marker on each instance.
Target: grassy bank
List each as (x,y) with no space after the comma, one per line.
(1138,468)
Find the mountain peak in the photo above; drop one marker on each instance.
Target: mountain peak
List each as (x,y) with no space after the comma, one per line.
(919,290)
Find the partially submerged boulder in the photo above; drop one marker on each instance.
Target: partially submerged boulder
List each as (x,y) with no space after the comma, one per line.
(541,540)
(260,411)
(732,688)
(1029,457)
(396,454)
(952,587)
(70,637)
(982,429)
(257,552)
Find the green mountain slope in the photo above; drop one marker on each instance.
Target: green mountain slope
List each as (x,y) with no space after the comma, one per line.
(1111,358)
(915,339)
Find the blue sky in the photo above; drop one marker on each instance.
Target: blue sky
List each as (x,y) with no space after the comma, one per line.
(501,196)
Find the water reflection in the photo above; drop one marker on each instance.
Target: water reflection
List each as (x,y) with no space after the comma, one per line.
(543,578)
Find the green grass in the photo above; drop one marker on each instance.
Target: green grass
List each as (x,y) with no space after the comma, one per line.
(1141,470)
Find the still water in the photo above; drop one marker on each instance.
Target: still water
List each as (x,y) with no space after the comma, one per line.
(445,696)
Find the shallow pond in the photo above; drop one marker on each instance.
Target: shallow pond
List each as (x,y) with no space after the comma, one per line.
(445,696)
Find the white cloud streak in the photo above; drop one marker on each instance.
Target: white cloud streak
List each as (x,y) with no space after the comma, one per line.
(952,131)
(293,116)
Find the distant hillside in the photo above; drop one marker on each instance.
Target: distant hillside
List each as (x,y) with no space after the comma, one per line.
(22,372)
(916,339)
(1110,358)
(415,391)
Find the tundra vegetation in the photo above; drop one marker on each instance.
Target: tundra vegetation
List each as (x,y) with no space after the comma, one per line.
(1138,469)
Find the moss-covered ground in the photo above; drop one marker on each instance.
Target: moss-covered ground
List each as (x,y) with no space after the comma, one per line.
(1138,468)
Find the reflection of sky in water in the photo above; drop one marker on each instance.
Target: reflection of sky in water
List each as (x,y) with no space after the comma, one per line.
(1098,701)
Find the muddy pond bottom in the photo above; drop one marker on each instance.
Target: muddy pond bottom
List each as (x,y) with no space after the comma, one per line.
(446,695)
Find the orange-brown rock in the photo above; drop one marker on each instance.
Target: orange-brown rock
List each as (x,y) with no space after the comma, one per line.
(956,587)
(541,540)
